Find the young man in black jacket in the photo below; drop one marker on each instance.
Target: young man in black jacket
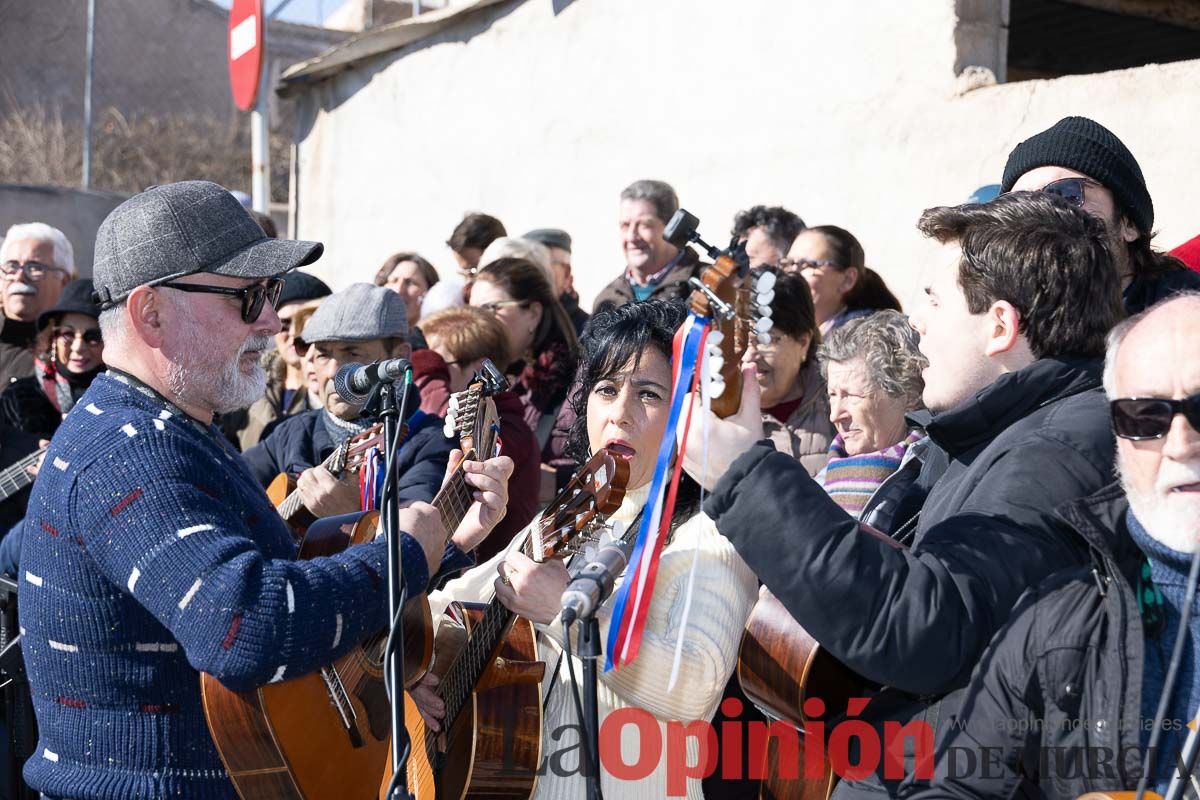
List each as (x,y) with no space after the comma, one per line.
(1013,326)
(1065,697)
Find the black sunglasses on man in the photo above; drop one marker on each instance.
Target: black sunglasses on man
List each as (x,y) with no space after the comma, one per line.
(254,296)
(1142,418)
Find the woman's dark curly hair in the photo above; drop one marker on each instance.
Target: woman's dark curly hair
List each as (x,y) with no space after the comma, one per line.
(614,338)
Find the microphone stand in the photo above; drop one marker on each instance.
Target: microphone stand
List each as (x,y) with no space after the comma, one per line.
(388,402)
(589,654)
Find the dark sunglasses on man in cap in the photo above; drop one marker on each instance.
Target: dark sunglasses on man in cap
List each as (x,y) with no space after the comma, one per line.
(253,297)
(1070,189)
(1142,418)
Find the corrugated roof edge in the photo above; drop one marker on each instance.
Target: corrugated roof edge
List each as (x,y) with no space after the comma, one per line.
(373,42)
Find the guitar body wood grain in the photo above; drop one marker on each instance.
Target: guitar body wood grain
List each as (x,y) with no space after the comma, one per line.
(779,667)
(301,738)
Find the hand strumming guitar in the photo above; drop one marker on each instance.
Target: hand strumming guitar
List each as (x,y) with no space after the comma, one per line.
(325,495)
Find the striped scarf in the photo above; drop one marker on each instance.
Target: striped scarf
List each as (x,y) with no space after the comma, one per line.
(851,480)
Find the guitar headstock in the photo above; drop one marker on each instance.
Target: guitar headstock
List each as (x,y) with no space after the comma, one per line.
(737,301)
(471,414)
(595,492)
(353,452)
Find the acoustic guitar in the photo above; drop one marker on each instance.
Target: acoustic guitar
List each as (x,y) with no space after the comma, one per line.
(487,662)
(348,457)
(326,734)
(780,666)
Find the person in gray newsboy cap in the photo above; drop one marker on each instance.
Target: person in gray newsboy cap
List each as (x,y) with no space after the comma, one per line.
(360,324)
(153,555)
(190,251)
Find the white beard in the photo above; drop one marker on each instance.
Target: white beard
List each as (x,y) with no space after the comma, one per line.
(1172,518)
(196,379)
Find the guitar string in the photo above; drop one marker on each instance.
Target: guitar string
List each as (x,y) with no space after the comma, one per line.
(16,477)
(492,626)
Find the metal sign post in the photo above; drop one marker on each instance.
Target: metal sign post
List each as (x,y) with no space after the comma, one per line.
(247,74)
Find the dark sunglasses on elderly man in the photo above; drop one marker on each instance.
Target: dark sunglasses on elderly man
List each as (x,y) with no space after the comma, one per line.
(1141,418)
(253,297)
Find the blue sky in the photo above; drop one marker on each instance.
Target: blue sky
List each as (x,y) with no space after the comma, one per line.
(311,12)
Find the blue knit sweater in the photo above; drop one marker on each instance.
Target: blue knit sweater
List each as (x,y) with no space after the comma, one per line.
(151,554)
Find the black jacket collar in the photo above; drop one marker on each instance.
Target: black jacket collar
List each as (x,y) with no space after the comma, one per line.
(1012,397)
(1100,521)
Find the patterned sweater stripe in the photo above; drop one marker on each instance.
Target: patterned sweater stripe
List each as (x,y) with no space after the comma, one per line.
(151,554)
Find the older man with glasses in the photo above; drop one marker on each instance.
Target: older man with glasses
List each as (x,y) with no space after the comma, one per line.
(36,262)
(1084,162)
(1082,672)
(151,554)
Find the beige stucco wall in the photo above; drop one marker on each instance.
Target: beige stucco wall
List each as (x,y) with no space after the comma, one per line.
(849,113)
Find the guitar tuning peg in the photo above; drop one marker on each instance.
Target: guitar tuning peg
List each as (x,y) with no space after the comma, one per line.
(765,298)
(448,428)
(764,324)
(764,311)
(715,338)
(453,405)
(716,387)
(765,282)
(715,363)
(764,338)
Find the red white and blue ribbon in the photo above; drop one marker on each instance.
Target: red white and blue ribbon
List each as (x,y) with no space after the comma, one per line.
(370,480)
(632,600)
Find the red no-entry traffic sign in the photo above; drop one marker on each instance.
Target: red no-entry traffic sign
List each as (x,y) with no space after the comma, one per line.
(245,51)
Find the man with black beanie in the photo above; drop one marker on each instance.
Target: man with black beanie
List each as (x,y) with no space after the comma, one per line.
(1083,161)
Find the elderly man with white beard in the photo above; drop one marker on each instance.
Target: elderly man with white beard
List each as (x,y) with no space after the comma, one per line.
(150,552)
(1066,697)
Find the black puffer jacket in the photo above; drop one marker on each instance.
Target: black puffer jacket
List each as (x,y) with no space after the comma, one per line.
(916,621)
(297,443)
(1062,683)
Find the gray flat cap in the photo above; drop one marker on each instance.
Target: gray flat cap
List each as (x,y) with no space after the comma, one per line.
(183,228)
(359,313)
(551,237)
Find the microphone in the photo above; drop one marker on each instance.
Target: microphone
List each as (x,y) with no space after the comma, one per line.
(594,583)
(354,382)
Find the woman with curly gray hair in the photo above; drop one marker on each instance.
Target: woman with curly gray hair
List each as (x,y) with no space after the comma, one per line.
(873,370)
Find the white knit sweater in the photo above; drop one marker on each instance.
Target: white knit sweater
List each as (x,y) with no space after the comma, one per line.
(725,591)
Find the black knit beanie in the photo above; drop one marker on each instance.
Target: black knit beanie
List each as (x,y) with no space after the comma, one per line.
(1088,147)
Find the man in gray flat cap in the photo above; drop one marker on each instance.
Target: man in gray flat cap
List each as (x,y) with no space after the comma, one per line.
(360,324)
(150,552)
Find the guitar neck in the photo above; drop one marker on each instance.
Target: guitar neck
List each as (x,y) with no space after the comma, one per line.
(455,498)
(468,668)
(15,478)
